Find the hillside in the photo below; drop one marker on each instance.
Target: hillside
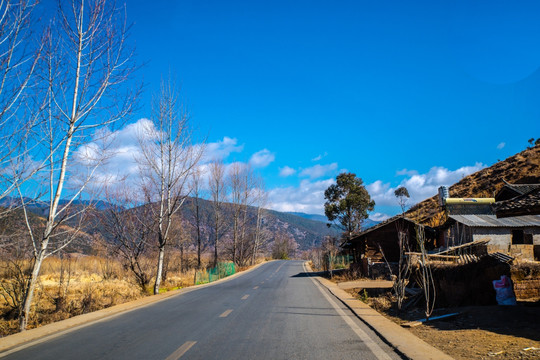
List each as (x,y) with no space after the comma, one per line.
(315,217)
(522,168)
(306,232)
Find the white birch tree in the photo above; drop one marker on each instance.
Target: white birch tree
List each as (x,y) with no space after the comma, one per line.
(196,191)
(167,160)
(261,201)
(85,64)
(236,185)
(217,184)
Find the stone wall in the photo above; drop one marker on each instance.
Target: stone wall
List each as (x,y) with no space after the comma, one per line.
(527,289)
(522,252)
(526,280)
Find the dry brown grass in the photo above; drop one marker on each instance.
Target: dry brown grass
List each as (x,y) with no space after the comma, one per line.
(80,284)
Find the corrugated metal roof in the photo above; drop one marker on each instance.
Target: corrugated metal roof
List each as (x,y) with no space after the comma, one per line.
(493,221)
(523,188)
(382,224)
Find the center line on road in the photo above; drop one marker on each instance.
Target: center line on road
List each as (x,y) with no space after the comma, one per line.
(245,297)
(226,313)
(181,350)
(278,268)
(255,288)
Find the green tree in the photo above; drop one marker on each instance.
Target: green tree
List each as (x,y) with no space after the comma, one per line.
(347,203)
(402,194)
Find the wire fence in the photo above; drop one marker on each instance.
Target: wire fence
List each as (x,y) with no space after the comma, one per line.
(334,262)
(222,270)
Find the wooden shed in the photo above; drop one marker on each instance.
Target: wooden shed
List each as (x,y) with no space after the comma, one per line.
(383,239)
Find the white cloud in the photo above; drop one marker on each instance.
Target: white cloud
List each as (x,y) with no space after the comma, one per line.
(286,171)
(501,145)
(262,158)
(120,148)
(220,150)
(379,216)
(318,171)
(308,197)
(319,157)
(406,172)
(420,186)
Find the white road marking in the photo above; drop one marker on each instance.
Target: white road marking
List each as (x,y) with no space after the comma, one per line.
(372,345)
(278,268)
(226,313)
(181,350)
(245,297)
(255,288)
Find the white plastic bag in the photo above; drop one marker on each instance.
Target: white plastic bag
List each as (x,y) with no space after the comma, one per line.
(505,292)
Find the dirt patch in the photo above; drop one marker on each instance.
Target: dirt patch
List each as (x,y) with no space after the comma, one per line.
(482,332)
(479,332)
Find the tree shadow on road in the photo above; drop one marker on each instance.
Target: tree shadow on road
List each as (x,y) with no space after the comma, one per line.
(308,274)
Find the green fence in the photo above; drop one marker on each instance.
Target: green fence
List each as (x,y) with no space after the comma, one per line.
(337,262)
(223,269)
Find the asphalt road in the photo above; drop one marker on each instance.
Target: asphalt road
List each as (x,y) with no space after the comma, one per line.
(273,312)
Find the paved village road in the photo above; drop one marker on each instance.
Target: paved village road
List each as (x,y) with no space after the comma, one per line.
(273,312)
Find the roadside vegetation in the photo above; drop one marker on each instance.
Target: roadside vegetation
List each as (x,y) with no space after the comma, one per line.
(75,284)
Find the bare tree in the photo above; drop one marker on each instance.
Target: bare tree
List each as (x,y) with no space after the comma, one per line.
(85,62)
(236,185)
(401,279)
(249,184)
(404,263)
(426,281)
(168,158)
(218,194)
(130,227)
(261,200)
(18,62)
(330,247)
(196,191)
(284,246)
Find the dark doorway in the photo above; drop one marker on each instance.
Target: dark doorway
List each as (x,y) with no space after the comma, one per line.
(517,237)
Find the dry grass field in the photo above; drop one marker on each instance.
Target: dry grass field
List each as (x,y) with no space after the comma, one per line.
(78,284)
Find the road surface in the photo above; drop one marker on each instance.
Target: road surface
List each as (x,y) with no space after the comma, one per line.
(274,312)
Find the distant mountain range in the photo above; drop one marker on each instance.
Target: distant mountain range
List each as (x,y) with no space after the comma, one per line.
(306,231)
(366,225)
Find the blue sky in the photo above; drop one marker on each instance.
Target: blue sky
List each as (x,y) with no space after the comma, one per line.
(415,93)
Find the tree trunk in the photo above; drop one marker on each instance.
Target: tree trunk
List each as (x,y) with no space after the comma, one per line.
(182,259)
(257,236)
(215,252)
(235,236)
(25,311)
(159,269)
(198,240)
